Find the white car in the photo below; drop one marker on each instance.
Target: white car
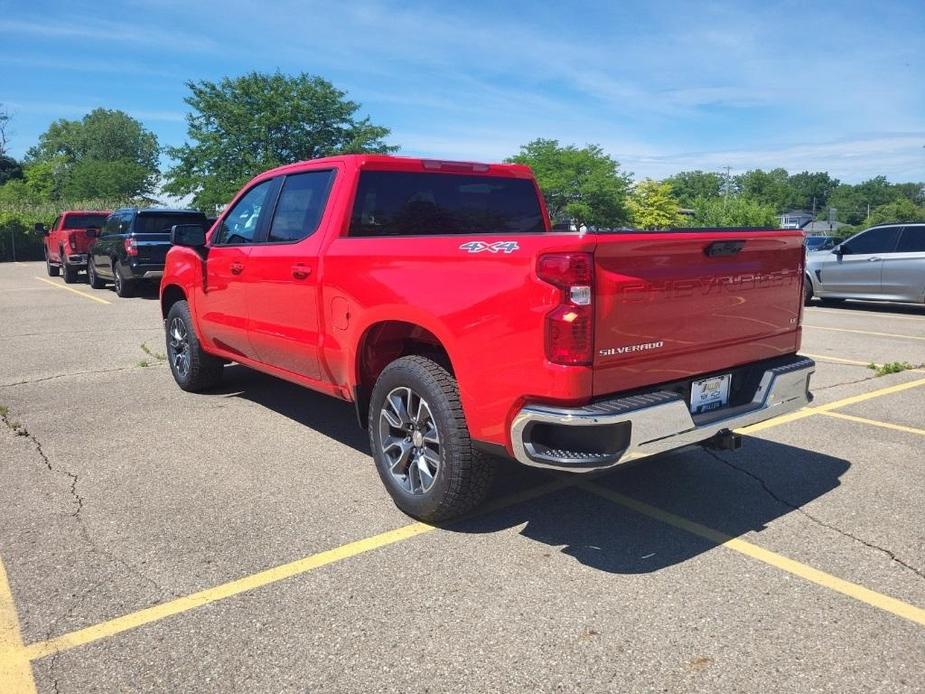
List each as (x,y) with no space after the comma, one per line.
(883,263)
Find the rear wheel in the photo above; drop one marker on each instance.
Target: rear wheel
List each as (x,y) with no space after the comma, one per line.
(92,277)
(421,444)
(52,270)
(193,368)
(69,271)
(122,286)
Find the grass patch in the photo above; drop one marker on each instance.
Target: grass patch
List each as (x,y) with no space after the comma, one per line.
(892,367)
(160,356)
(144,363)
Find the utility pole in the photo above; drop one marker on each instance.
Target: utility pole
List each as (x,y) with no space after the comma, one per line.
(726,185)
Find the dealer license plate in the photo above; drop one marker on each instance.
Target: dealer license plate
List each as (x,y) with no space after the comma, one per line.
(710,393)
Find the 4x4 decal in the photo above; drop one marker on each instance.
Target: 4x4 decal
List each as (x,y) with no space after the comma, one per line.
(496,247)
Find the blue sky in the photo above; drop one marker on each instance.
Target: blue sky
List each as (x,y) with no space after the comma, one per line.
(662,86)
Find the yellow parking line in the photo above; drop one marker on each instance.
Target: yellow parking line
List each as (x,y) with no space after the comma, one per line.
(15,668)
(42,649)
(837,360)
(876,423)
(852,590)
(76,291)
(822,409)
(866,332)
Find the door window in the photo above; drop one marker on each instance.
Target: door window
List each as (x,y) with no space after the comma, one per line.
(880,240)
(300,206)
(912,240)
(239,226)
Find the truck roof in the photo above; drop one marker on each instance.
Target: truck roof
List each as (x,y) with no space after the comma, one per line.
(392,163)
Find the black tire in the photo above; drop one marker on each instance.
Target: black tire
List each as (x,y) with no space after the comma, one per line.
(203,371)
(124,288)
(69,271)
(463,479)
(52,270)
(807,291)
(92,277)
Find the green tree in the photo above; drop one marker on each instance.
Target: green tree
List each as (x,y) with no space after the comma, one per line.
(770,188)
(584,186)
(810,190)
(853,202)
(10,169)
(106,154)
(899,210)
(244,125)
(687,186)
(735,211)
(653,206)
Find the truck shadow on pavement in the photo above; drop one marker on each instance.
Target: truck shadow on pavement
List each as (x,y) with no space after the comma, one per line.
(733,493)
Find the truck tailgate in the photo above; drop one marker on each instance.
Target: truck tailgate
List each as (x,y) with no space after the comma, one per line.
(670,305)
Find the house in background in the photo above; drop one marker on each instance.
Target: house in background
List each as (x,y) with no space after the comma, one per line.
(822,228)
(795,219)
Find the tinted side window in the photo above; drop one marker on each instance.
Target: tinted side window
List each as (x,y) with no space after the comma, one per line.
(912,240)
(111,226)
(882,240)
(239,225)
(416,204)
(300,206)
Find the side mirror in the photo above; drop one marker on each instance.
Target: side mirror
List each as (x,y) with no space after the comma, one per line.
(40,229)
(189,235)
(840,251)
(93,232)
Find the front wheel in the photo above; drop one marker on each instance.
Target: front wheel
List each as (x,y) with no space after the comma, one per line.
(122,286)
(421,444)
(92,277)
(194,369)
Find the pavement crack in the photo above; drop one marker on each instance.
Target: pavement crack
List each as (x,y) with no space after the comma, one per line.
(815,519)
(845,383)
(65,375)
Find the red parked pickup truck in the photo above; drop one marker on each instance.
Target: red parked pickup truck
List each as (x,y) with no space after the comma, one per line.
(69,240)
(435,297)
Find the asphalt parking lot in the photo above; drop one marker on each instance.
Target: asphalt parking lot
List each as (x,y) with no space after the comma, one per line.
(241,541)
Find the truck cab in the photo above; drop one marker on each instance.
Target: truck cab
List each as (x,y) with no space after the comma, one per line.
(68,241)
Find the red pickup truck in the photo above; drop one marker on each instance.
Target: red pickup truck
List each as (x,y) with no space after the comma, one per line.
(435,297)
(69,240)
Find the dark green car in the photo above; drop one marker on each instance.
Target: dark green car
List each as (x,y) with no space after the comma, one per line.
(132,246)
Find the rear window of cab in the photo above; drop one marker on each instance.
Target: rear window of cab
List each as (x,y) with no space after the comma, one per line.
(390,203)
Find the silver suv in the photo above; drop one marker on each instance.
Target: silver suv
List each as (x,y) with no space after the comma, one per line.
(883,263)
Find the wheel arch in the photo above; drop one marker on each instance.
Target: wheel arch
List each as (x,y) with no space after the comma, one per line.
(383,342)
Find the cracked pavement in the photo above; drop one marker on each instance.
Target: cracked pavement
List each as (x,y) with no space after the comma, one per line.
(120,492)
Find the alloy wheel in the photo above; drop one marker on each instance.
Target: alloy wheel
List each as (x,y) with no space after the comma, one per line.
(179,347)
(409,440)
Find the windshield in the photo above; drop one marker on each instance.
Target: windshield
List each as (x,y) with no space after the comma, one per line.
(83,221)
(161,223)
(416,204)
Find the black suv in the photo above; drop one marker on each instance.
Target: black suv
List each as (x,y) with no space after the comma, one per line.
(132,246)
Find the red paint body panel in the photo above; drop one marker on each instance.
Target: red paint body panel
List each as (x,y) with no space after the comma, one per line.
(302,310)
(71,240)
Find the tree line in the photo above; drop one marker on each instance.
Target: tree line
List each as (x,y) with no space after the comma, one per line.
(240,126)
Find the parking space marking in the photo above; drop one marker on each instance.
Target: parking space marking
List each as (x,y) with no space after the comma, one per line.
(822,409)
(15,666)
(864,312)
(76,291)
(875,422)
(80,637)
(866,332)
(821,578)
(852,362)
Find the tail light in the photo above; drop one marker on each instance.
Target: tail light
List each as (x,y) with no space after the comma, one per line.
(569,326)
(72,242)
(131,246)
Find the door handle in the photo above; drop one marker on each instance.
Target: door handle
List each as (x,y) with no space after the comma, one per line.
(300,271)
(870,260)
(236,268)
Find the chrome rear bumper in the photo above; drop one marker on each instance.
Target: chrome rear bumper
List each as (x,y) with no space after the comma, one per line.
(642,425)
